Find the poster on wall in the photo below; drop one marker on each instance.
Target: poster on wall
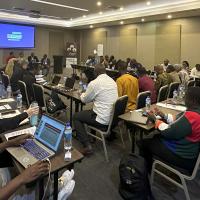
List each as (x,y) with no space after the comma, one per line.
(100,49)
(71,54)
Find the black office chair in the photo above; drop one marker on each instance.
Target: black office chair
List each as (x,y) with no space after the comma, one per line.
(191,83)
(23,90)
(119,108)
(141,99)
(162,94)
(172,87)
(39,96)
(5,80)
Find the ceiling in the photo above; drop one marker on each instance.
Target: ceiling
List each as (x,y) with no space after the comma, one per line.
(59,14)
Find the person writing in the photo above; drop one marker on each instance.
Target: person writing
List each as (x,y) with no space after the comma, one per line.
(177,142)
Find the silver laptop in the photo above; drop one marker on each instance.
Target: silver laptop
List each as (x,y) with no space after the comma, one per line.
(47,139)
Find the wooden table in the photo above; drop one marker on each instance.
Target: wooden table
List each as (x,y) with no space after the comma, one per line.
(57,164)
(130,116)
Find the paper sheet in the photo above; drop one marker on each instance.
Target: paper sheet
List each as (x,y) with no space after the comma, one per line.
(173,107)
(7,100)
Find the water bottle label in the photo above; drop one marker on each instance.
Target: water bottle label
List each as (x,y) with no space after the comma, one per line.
(68,136)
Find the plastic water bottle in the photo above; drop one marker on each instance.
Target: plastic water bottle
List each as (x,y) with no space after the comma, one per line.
(175,96)
(34,118)
(9,91)
(19,101)
(80,89)
(68,142)
(148,104)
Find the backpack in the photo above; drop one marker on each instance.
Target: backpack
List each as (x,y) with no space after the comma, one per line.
(54,103)
(134,182)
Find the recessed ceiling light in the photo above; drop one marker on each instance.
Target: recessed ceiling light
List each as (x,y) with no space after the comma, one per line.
(121,22)
(121,8)
(71,19)
(59,5)
(91,26)
(169,16)
(99,3)
(84,16)
(148,3)
(100,13)
(142,19)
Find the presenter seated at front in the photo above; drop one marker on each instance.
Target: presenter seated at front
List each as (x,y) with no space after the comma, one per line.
(28,175)
(103,93)
(177,142)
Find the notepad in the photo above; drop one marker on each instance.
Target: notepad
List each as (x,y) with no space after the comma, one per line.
(173,107)
(7,100)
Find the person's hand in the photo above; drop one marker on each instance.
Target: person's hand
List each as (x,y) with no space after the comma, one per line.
(151,116)
(19,140)
(159,113)
(32,111)
(34,172)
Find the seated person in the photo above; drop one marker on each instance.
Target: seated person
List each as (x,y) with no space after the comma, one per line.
(18,72)
(127,85)
(146,83)
(112,62)
(177,142)
(195,72)
(29,80)
(32,59)
(10,66)
(45,62)
(163,78)
(173,73)
(27,176)
(103,93)
(165,64)
(183,72)
(106,61)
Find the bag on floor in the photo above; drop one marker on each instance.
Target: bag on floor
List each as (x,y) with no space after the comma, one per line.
(54,103)
(134,182)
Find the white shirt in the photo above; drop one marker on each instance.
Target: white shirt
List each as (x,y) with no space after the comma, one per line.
(195,73)
(103,92)
(164,66)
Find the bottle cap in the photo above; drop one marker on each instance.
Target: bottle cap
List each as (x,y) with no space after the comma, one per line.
(68,124)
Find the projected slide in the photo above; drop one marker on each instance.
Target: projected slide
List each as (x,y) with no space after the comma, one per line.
(16,36)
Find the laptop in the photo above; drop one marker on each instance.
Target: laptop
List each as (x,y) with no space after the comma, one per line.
(47,139)
(55,81)
(69,83)
(136,117)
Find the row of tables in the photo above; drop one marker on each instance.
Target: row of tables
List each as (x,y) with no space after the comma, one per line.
(57,161)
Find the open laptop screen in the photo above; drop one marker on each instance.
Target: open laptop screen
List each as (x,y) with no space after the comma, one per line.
(56,80)
(69,83)
(49,132)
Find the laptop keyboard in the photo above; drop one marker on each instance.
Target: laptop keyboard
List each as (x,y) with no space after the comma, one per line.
(35,150)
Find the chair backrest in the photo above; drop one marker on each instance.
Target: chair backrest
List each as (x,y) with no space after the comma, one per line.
(162,94)
(119,108)
(39,95)
(23,90)
(141,99)
(173,86)
(5,80)
(191,83)
(196,167)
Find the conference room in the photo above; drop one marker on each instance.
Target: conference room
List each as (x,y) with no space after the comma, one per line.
(99,99)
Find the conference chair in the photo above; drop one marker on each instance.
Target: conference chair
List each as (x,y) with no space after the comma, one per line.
(5,79)
(39,96)
(181,173)
(191,83)
(173,86)
(119,108)
(162,94)
(141,99)
(23,90)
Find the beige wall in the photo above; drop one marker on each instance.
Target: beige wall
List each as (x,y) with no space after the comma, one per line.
(47,40)
(150,43)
